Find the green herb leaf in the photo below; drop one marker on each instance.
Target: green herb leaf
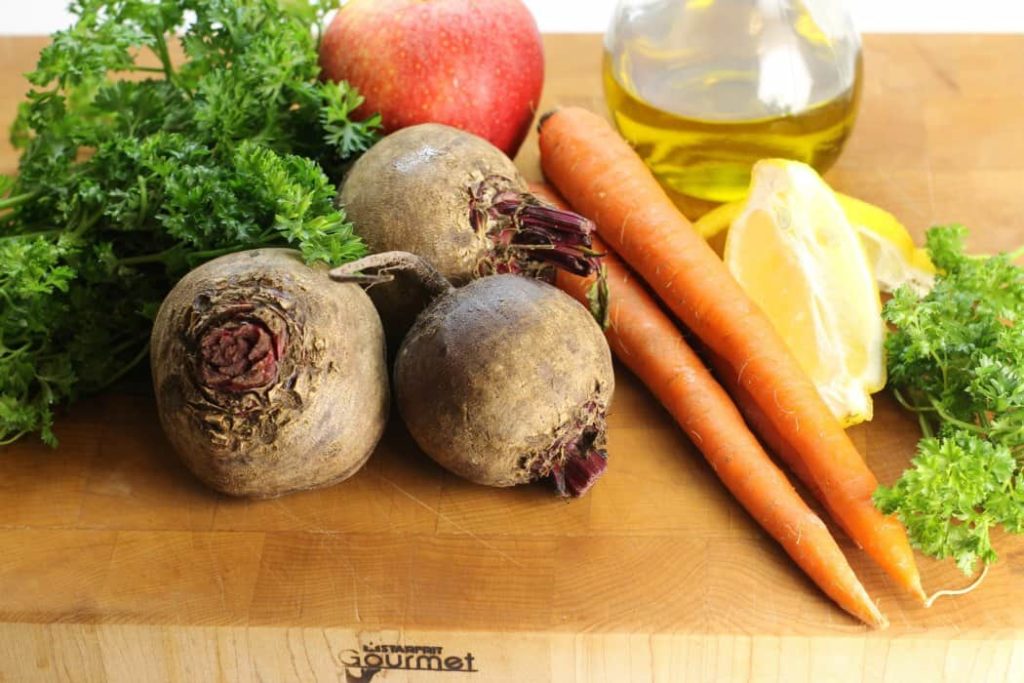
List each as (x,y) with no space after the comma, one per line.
(346,135)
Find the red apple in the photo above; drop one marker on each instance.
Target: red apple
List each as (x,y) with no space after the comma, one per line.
(477,65)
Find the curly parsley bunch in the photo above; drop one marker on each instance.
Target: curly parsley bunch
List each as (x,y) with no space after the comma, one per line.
(136,167)
(956,357)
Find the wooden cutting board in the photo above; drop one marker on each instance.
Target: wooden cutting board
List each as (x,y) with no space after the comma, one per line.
(115,564)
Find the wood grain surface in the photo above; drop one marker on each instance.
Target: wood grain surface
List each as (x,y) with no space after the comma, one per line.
(115,564)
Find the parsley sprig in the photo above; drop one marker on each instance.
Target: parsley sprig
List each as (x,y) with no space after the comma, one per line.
(136,167)
(956,358)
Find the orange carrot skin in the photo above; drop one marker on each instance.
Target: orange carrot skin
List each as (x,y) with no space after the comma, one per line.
(602,178)
(763,427)
(648,342)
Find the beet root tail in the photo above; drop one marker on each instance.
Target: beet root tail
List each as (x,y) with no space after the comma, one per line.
(578,474)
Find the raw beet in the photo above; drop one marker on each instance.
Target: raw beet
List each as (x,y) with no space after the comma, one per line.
(508,380)
(269,377)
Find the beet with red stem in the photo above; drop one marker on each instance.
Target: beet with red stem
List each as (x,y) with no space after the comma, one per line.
(459,203)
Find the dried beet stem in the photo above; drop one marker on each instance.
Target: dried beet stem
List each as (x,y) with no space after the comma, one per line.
(529,236)
(580,473)
(576,458)
(400,285)
(380,268)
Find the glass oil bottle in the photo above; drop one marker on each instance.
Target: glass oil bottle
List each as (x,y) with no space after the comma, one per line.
(704,88)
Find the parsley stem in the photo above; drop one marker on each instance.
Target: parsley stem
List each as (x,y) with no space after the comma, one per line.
(197,257)
(926,427)
(144,259)
(959,423)
(160,48)
(11,352)
(126,368)
(31,235)
(1016,254)
(907,404)
(129,343)
(194,258)
(14,437)
(16,200)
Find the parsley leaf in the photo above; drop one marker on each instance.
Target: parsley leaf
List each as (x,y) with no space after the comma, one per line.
(126,183)
(956,357)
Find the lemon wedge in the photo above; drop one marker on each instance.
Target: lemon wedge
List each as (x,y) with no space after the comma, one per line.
(890,249)
(793,249)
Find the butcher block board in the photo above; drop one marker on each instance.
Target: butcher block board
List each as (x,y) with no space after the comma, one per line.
(115,564)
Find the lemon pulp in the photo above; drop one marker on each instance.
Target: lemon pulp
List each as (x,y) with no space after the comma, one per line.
(792,248)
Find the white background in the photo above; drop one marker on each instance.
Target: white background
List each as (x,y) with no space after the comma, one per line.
(26,17)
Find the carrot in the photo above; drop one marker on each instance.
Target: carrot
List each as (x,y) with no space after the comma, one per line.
(602,178)
(647,341)
(763,427)
(754,417)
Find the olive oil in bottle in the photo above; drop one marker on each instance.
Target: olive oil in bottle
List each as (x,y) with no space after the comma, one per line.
(704,88)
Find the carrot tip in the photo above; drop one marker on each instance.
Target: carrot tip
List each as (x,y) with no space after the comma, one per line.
(917,590)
